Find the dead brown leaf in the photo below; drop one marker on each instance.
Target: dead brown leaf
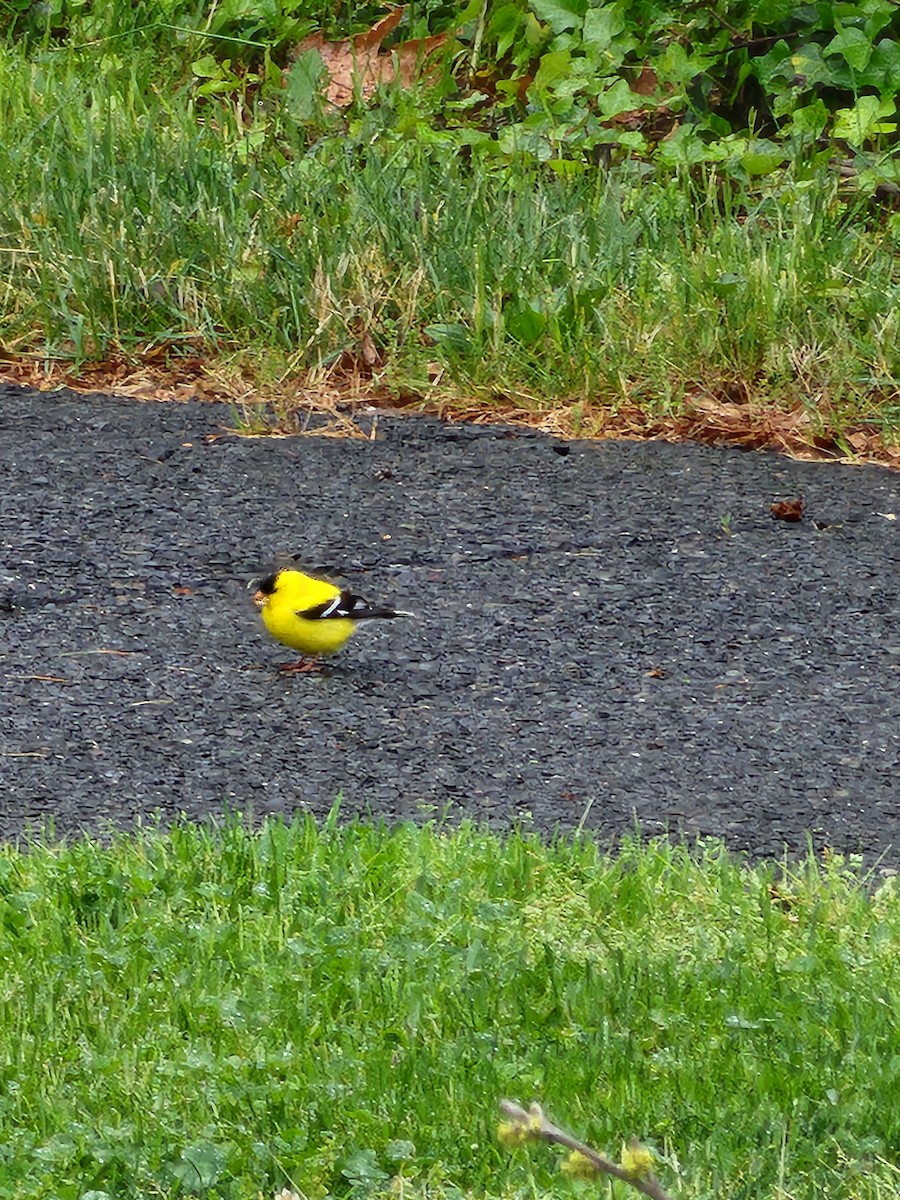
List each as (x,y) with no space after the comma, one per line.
(149,377)
(754,427)
(361,62)
(645,83)
(787,510)
(290,223)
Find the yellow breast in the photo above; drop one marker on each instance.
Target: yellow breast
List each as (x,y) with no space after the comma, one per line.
(309,637)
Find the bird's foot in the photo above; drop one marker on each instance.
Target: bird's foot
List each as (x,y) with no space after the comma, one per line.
(303,666)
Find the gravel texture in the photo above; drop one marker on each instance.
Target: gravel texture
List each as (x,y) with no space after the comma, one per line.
(607,632)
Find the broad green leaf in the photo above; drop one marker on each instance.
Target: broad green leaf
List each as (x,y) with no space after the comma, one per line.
(879,13)
(567,168)
(567,41)
(454,337)
(618,98)
(683,149)
(504,27)
(762,157)
(400,1150)
(520,139)
(553,65)
(883,70)
(362,1167)
(632,138)
(784,100)
(535,33)
(216,87)
(525,322)
(207,67)
(470,100)
(675,65)
(885,172)
(853,46)
(471,11)
(811,118)
(235,12)
(509,90)
(809,64)
(566,88)
(600,27)
(302,96)
(719,125)
(560,14)
(771,12)
(727,282)
(863,121)
(198,1167)
(776,65)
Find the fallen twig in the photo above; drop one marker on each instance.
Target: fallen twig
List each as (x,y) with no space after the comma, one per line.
(531,1123)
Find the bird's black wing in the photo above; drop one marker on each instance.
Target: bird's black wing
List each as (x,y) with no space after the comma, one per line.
(345,605)
(341,605)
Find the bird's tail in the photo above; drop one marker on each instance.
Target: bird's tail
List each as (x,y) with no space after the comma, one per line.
(363,614)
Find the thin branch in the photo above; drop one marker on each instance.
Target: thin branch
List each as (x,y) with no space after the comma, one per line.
(533,1122)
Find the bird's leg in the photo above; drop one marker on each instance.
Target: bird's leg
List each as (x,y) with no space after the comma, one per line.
(303,666)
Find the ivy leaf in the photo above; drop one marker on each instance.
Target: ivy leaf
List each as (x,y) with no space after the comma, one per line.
(772,12)
(864,120)
(560,15)
(878,15)
(399,1150)
(675,65)
(504,25)
(617,99)
(600,27)
(853,46)
(773,67)
(884,68)
(683,148)
(810,118)
(811,66)
(553,66)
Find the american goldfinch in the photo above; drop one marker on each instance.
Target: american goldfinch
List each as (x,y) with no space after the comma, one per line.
(311,615)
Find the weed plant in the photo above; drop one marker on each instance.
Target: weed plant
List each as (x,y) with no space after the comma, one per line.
(338,1009)
(132,217)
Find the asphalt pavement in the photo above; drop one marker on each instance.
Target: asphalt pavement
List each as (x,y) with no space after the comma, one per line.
(608,634)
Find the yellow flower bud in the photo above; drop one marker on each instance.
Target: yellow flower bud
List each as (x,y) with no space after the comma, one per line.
(637,1159)
(577,1166)
(512,1134)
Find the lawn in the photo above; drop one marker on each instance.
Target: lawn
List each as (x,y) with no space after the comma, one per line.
(338,1009)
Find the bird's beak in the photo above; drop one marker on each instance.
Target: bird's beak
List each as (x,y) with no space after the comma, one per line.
(260,599)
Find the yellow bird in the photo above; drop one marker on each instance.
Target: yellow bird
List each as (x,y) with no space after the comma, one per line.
(311,615)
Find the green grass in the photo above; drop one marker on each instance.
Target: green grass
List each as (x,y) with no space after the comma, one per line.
(134,216)
(340,1008)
